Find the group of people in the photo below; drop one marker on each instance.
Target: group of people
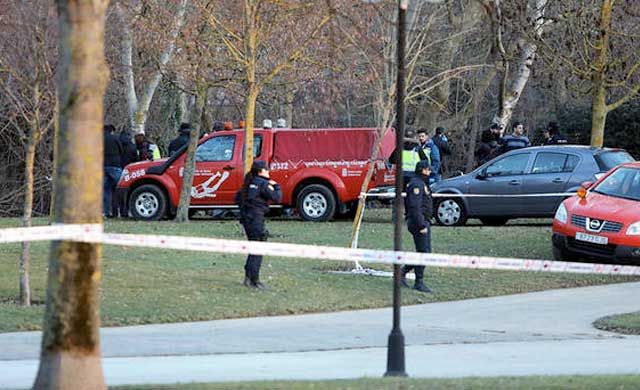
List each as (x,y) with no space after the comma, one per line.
(493,141)
(432,149)
(119,151)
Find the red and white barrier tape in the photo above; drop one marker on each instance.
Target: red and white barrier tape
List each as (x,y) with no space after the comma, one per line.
(93,233)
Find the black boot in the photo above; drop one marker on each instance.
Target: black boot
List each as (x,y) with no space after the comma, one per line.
(420,286)
(403,277)
(259,285)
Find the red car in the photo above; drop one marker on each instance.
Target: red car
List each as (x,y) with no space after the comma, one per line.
(603,221)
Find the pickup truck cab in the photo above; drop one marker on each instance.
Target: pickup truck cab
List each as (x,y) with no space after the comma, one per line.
(321,171)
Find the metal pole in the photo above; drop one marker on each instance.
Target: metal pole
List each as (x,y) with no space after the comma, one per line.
(395,350)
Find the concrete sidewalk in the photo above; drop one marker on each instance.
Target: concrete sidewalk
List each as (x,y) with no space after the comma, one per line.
(547,332)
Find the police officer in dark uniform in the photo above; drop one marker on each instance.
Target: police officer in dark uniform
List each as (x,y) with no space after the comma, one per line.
(418,211)
(253,198)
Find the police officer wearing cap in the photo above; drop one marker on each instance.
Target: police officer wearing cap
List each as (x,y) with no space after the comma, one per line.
(418,211)
(253,198)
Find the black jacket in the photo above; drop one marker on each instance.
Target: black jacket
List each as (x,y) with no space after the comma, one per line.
(418,204)
(179,142)
(445,149)
(112,151)
(259,194)
(129,151)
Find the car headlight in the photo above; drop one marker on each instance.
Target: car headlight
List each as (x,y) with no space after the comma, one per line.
(561,214)
(634,229)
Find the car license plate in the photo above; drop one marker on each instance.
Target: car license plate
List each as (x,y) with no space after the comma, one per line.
(592,239)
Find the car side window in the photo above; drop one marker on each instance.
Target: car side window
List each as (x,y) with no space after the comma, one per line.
(216,149)
(549,163)
(510,165)
(571,163)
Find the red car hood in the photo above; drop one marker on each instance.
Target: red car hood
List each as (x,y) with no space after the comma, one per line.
(145,164)
(605,207)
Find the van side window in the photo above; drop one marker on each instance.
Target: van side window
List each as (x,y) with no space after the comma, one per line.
(216,149)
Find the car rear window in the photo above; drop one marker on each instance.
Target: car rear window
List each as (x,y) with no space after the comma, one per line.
(608,160)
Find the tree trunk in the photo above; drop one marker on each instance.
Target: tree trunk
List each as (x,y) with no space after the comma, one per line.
(182,214)
(598,116)
(599,97)
(70,354)
(139,108)
(25,290)
(249,115)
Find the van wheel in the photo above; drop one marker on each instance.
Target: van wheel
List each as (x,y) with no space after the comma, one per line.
(451,212)
(316,203)
(148,203)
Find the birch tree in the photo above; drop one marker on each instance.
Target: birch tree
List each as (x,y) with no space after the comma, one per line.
(140,94)
(522,53)
(70,351)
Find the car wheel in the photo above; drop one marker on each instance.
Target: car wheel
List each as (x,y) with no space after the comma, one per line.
(316,203)
(451,212)
(561,255)
(494,221)
(148,203)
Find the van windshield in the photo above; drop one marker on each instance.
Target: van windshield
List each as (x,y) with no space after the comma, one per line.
(609,160)
(623,183)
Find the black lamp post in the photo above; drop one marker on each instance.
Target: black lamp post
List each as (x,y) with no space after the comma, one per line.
(395,350)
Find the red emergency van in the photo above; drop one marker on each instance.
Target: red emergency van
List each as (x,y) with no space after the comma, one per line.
(321,171)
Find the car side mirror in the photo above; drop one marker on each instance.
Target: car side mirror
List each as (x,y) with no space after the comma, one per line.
(482,175)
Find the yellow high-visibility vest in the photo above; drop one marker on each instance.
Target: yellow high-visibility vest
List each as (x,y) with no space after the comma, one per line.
(410,159)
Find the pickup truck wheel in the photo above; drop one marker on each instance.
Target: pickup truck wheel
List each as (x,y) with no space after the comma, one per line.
(451,212)
(148,203)
(316,203)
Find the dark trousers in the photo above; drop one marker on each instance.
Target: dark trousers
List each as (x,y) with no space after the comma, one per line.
(110,181)
(423,245)
(254,228)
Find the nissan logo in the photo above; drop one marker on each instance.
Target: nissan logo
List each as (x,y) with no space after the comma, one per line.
(594,224)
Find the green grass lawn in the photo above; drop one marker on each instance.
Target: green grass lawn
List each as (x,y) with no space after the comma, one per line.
(628,323)
(619,382)
(142,286)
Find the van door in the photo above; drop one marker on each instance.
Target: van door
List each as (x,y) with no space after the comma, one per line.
(218,174)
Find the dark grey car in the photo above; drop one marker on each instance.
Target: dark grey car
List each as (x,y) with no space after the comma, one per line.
(536,170)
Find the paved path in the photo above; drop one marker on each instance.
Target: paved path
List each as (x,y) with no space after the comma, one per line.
(537,333)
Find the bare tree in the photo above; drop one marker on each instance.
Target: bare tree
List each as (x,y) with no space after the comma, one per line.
(27,82)
(139,99)
(70,354)
(522,51)
(595,41)
(271,37)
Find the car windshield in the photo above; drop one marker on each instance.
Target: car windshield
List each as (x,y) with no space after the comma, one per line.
(608,160)
(623,183)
